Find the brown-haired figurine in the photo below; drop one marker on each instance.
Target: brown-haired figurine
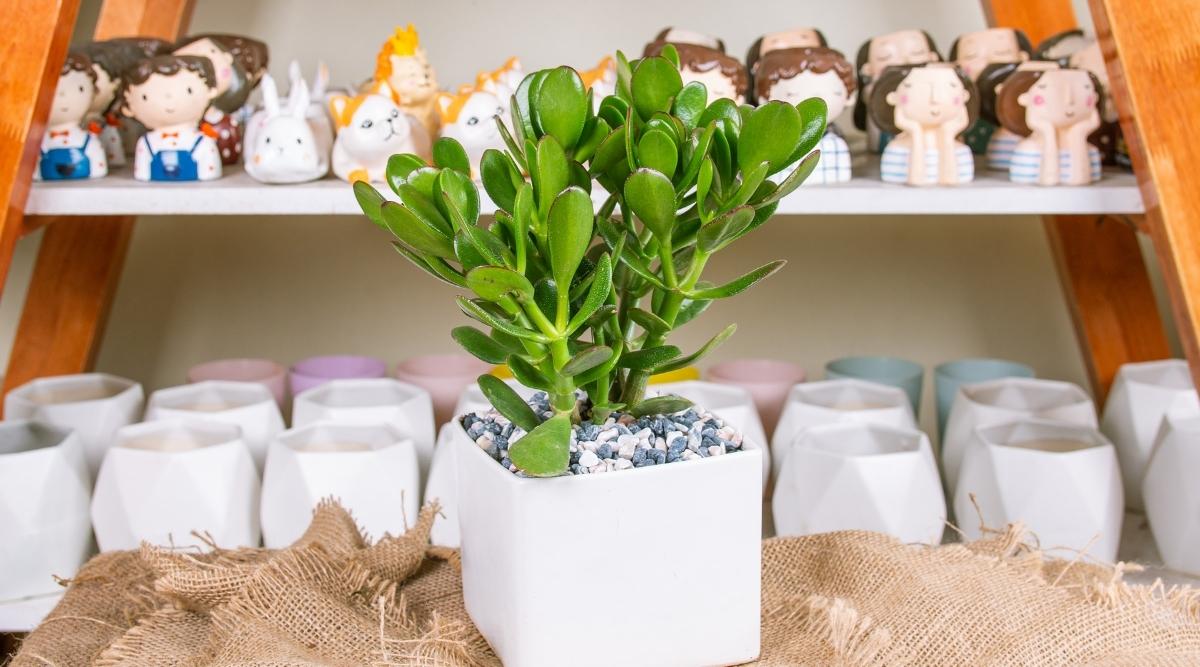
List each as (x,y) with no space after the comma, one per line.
(110,58)
(169,95)
(1002,142)
(1075,49)
(685,36)
(1055,110)
(797,74)
(973,51)
(926,108)
(721,74)
(69,151)
(238,62)
(903,47)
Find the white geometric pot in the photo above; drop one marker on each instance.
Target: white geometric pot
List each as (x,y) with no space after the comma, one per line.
(405,407)
(162,480)
(1171,493)
(248,405)
(369,468)
(831,401)
(94,405)
(1007,400)
(45,492)
(1061,480)
(858,476)
(675,550)
(1141,394)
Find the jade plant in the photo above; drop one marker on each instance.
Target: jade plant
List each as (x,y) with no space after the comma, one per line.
(606,217)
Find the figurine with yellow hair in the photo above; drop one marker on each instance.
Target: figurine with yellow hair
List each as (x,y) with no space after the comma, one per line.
(402,64)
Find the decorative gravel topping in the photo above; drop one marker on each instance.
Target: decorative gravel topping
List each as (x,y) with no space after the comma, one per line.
(621,442)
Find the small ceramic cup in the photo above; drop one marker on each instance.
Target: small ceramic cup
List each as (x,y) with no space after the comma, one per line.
(767,380)
(268,373)
(948,376)
(900,373)
(444,376)
(248,405)
(316,371)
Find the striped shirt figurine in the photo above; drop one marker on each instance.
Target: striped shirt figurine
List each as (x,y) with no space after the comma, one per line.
(1000,149)
(893,166)
(1026,167)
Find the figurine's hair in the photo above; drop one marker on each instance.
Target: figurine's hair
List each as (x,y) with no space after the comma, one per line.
(782,64)
(704,59)
(1023,44)
(754,53)
(168,65)
(251,53)
(403,43)
(988,86)
(78,62)
(113,56)
(662,37)
(864,54)
(884,114)
(1011,113)
(147,47)
(1051,48)
(240,83)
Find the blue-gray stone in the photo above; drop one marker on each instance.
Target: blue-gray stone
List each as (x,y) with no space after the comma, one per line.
(604,451)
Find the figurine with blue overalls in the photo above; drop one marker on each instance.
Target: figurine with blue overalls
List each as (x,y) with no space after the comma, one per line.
(169,95)
(68,150)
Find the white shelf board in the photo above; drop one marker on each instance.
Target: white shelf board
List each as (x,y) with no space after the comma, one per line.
(25,614)
(238,194)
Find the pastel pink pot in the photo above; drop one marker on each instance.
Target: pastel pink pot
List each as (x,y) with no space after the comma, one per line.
(270,374)
(767,380)
(316,371)
(444,376)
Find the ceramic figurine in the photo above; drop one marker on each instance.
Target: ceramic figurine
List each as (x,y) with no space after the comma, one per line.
(926,108)
(402,63)
(974,51)
(1001,142)
(502,82)
(109,59)
(285,145)
(721,74)
(371,127)
(239,63)
(904,47)
(685,36)
(129,129)
(784,39)
(1074,49)
(796,74)
(169,95)
(148,47)
(68,150)
(469,117)
(601,80)
(1055,110)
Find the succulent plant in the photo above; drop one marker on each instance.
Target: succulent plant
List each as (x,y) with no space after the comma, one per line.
(578,296)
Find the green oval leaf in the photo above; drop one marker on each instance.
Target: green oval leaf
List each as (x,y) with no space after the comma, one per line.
(586,359)
(652,198)
(475,312)
(561,106)
(399,167)
(500,178)
(431,265)
(480,345)
(655,83)
(649,359)
(660,405)
(689,104)
(544,451)
(658,151)
(423,208)
(568,233)
(458,191)
(415,231)
(712,344)
(813,114)
(598,292)
(507,401)
(738,285)
(495,283)
(724,229)
(449,154)
(648,321)
(552,173)
(527,374)
(770,134)
(369,200)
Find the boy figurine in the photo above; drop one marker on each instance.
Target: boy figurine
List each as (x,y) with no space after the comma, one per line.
(109,59)
(69,151)
(402,63)
(723,75)
(169,95)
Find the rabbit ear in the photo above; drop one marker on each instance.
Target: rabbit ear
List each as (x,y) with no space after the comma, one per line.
(320,82)
(294,72)
(270,96)
(298,100)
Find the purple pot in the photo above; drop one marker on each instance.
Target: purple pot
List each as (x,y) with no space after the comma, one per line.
(316,371)
(268,373)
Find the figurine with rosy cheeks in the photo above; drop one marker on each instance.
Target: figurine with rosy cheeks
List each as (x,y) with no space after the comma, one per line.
(722,75)
(169,95)
(238,63)
(795,75)
(785,39)
(470,118)
(402,63)
(1055,110)
(1074,49)
(68,151)
(903,47)
(973,51)
(927,108)
(1001,142)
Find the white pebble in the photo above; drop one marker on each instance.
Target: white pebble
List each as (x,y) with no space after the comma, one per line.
(694,442)
(688,455)
(598,468)
(716,450)
(622,464)
(673,436)
(660,444)
(605,436)
(645,435)
(589,445)
(627,449)
(484,441)
(589,459)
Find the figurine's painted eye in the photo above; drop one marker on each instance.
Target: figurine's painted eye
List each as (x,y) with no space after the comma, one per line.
(189,90)
(298,141)
(395,113)
(144,98)
(473,120)
(81,89)
(366,124)
(268,140)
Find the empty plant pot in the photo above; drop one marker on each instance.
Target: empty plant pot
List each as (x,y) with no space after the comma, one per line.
(1171,494)
(1141,394)
(900,373)
(45,530)
(444,376)
(316,371)
(1006,400)
(270,374)
(163,480)
(1060,480)
(370,469)
(949,376)
(767,380)
(94,405)
(858,476)
(247,405)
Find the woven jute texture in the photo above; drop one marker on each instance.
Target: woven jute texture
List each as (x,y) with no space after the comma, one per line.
(849,598)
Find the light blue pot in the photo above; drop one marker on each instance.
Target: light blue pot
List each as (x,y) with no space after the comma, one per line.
(948,377)
(901,373)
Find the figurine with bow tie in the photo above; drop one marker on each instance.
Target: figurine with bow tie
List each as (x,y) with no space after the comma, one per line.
(70,151)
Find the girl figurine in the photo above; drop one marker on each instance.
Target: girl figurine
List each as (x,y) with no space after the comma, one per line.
(794,75)
(69,151)
(169,95)
(1055,110)
(1002,142)
(721,74)
(903,47)
(926,108)
(238,62)
(974,51)
(402,63)
(784,39)
(684,36)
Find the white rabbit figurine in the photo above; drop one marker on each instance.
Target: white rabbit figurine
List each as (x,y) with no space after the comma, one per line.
(284,145)
(318,109)
(371,128)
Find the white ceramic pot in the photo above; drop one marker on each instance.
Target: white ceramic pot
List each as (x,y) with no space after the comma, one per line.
(94,405)
(405,407)
(666,559)
(1061,480)
(369,468)
(831,401)
(859,476)
(1006,400)
(1141,394)
(1171,493)
(162,480)
(248,405)
(45,530)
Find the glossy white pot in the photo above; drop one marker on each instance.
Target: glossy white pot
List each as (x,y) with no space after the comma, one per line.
(1171,493)
(1007,400)
(162,480)
(1141,394)
(94,405)
(371,469)
(674,551)
(1061,480)
(45,491)
(860,476)
(248,405)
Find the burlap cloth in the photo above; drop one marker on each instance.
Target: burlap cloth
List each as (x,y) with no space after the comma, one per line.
(850,598)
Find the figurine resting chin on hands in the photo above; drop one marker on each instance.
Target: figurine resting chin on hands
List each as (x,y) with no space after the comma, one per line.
(1055,110)
(929,107)
(169,95)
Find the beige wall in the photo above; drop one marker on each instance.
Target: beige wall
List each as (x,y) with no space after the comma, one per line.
(929,289)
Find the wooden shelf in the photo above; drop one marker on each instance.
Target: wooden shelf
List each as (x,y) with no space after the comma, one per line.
(238,194)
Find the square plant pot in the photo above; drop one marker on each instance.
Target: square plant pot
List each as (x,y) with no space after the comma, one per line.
(1171,494)
(372,470)
(248,405)
(665,560)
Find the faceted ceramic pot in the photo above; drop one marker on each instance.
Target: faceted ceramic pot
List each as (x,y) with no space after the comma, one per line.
(94,405)
(1171,494)
(949,376)
(846,400)
(402,406)
(371,469)
(899,373)
(45,530)
(1141,394)
(247,405)
(316,371)
(444,376)
(1060,480)
(767,380)
(1006,400)
(859,476)
(270,374)
(523,538)
(163,480)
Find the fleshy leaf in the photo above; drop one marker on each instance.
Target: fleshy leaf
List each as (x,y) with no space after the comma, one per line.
(508,402)
(655,83)
(569,233)
(586,359)
(494,283)
(480,345)
(544,451)
(449,154)
(652,198)
(660,405)
(738,285)
(561,106)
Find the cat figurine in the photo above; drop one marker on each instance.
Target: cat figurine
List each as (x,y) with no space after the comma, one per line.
(371,128)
